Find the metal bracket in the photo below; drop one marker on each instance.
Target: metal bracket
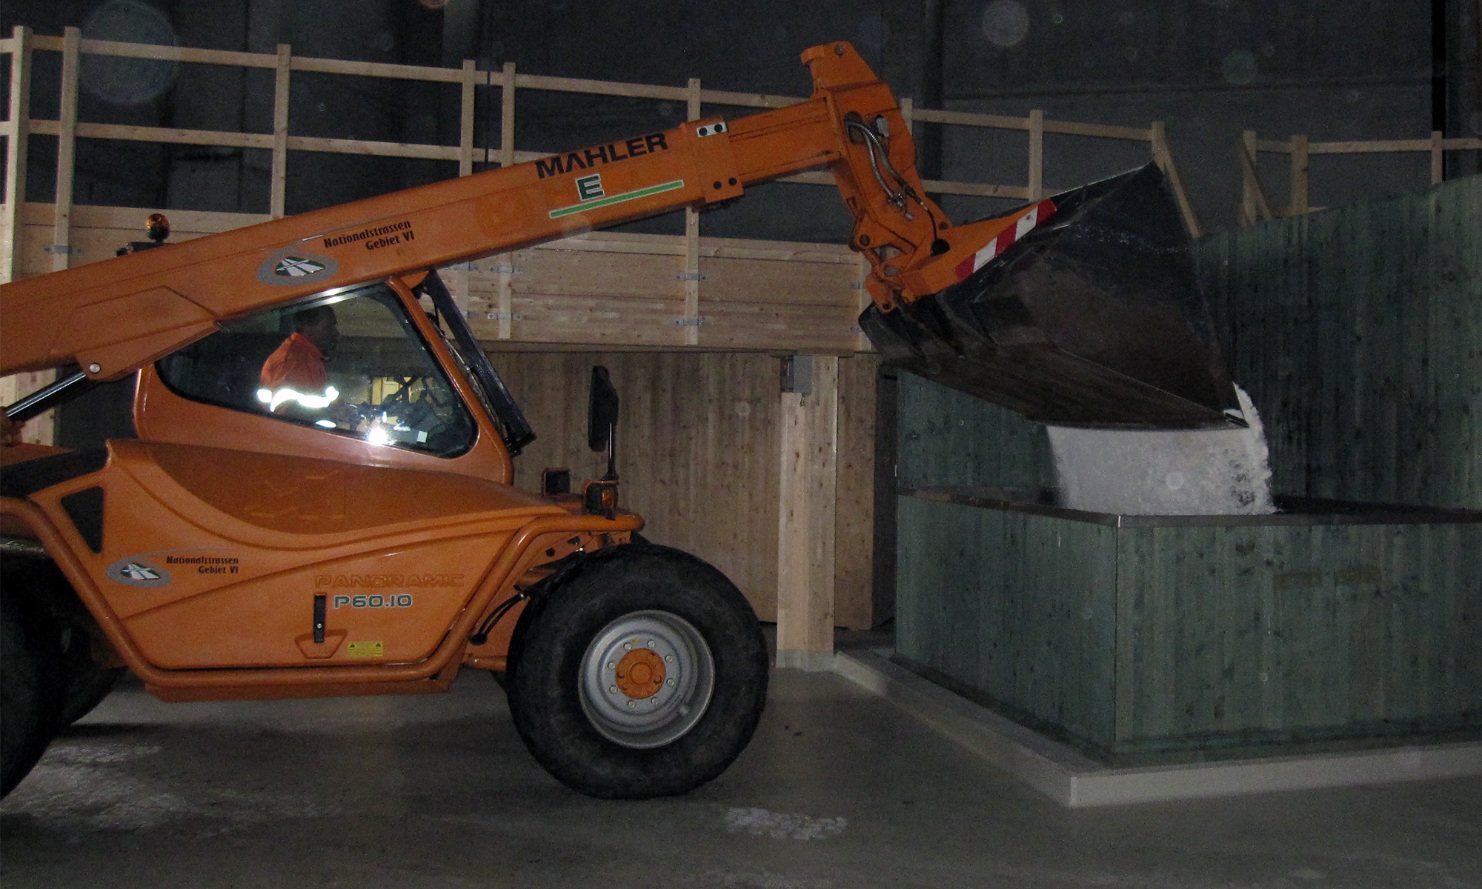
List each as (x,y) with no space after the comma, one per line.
(689,322)
(63,248)
(692,276)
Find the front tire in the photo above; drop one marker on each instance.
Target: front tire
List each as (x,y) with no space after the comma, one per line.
(83,682)
(642,672)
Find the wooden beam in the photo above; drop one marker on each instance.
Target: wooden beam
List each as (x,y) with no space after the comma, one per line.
(17,137)
(806,522)
(42,429)
(456,276)
(691,274)
(61,239)
(1163,156)
(278,201)
(1300,200)
(1036,154)
(1253,203)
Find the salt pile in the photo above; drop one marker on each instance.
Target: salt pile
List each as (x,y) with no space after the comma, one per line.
(1166,472)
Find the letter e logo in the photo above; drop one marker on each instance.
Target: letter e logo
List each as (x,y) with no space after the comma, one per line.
(589,187)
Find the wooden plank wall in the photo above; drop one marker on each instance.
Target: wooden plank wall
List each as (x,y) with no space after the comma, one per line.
(609,289)
(697,454)
(1358,333)
(97,232)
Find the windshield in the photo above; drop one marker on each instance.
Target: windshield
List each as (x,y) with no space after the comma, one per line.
(353,364)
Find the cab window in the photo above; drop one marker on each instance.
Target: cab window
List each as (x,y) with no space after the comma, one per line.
(352,364)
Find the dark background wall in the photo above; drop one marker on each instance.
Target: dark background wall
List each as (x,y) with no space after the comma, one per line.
(1210,68)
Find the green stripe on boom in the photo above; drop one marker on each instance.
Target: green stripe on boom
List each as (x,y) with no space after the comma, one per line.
(617,199)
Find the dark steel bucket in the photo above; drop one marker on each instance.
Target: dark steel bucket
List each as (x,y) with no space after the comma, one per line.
(1095,318)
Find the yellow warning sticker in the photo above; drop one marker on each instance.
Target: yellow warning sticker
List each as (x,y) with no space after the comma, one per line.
(366,649)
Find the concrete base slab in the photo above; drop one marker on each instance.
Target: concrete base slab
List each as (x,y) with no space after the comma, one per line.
(1076,781)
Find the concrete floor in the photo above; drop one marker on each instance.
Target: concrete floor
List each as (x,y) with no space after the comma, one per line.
(840,789)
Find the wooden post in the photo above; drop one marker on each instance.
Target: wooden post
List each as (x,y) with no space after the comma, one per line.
(691,273)
(17,131)
(1253,203)
(456,276)
(1438,158)
(1301,158)
(1247,175)
(504,300)
(806,515)
(279,183)
(467,93)
(42,429)
(61,239)
(1036,154)
(1163,156)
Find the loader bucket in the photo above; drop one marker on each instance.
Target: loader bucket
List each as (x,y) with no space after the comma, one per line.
(1095,318)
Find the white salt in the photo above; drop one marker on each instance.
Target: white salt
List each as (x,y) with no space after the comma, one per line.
(1166,472)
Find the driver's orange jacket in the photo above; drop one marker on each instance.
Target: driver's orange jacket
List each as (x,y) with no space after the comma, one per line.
(296,364)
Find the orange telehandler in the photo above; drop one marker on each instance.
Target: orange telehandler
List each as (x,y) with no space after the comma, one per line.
(306,513)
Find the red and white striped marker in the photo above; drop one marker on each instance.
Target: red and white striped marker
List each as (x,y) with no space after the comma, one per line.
(990,251)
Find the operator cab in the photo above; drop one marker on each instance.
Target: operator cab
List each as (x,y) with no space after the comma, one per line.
(354,364)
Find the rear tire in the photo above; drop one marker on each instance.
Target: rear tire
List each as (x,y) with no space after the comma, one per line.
(28,691)
(643,673)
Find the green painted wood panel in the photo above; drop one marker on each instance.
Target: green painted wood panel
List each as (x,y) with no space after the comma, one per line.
(945,437)
(1358,333)
(1295,633)
(1139,638)
(1018,610)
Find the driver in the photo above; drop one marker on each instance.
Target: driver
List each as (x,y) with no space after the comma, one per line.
(296,375)
(301,362)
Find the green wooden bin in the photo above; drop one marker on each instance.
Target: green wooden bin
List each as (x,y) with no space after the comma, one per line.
(1149,637)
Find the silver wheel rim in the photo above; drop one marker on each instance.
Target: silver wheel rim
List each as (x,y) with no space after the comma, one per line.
(646,679)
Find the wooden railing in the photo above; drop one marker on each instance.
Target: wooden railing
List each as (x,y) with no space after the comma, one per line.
(470,79)
(1256,205)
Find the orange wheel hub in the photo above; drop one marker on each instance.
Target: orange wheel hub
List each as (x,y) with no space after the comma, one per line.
(640,674)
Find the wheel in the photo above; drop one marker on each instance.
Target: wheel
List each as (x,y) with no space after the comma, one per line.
(28,691)
(639,673)
(85,682)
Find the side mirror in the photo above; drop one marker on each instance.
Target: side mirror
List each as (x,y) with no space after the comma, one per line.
(602,415)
